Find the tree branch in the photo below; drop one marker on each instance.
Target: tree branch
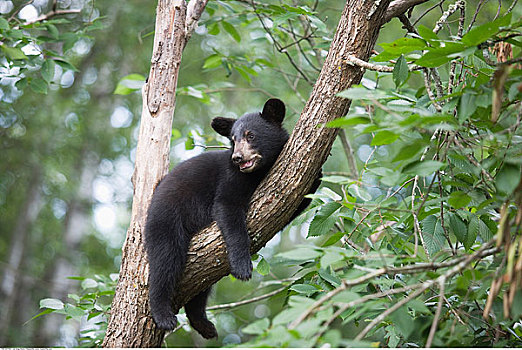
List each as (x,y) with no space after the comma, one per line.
(399,7)
(50,14)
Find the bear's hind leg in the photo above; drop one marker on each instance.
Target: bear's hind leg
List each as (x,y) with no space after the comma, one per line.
(197,316)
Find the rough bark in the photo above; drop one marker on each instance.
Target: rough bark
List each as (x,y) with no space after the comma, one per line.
(130,323)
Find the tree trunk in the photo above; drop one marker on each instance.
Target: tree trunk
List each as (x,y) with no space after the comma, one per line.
(274,201)
(130,323)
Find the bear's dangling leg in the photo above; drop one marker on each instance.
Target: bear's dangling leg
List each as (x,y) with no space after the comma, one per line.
(197,316)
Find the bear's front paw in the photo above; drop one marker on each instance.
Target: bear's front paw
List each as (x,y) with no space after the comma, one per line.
(166,321)
(242,270)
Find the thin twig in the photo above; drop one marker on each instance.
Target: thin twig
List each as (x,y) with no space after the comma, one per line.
(460,31)
(19,9)
(248,301)
(481,2)
(442,284)
(279,47)
(427,84)
(348,151)
(395,307)
(427,11)
(451,10)
(50,14)
(512,6)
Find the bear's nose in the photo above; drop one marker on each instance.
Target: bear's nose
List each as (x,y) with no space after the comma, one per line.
(237,158)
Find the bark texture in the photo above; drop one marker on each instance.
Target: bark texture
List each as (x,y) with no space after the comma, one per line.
(130,323)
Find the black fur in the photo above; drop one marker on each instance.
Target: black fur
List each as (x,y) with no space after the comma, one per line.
(214,186)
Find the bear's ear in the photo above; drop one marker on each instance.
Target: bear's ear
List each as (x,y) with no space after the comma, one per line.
(274,111)
(223,126)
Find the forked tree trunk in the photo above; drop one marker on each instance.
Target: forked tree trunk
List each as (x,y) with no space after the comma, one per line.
(274,201)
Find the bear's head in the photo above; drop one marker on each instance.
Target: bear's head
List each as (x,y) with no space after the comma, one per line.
(257,138)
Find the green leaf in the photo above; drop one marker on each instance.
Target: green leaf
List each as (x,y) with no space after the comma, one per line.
(424,168)
(229,28)
(482,33)
(432,59)
(384,137)
(348,121)
(189,143)
(433,235)
(305,289)
(213,29)
(50,303)
(66,65)
(45,312)
(263,267)
(484,231)
(403,321)
(467,106)
(300,254)
(408,151)
(359,192)
(334,238)
(418,305)
(473,231)
(399,47)
(74,311)
(129,84)
(89,283)
(39,86)
(258,327)
(287,315)
(459,199)
(4,24)
(336,179)
(324,219)
(345,297)
(427,33)
(14,53)
(459,229)
(400,71)
(212,61)
(333,280)
(48,70)
(508,178)
(331,257)
(53,31)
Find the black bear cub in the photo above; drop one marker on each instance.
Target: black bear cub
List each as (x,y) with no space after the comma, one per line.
(214,186)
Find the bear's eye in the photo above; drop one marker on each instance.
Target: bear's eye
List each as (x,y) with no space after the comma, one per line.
(250,136)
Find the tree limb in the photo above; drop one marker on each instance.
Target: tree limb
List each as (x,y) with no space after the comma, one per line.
(399,7)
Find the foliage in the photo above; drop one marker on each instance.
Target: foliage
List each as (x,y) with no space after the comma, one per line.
(33,48)
(406,254)
(91,307)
